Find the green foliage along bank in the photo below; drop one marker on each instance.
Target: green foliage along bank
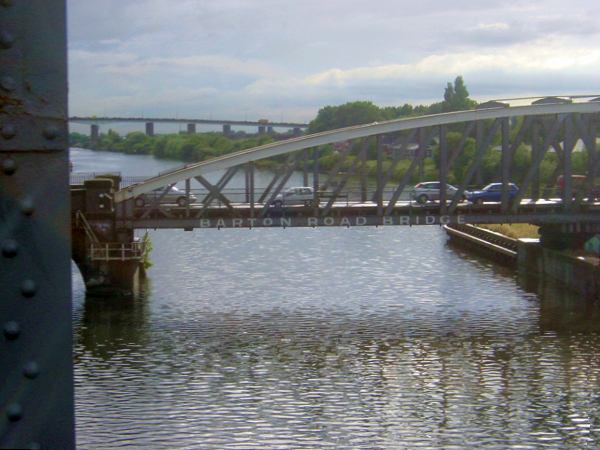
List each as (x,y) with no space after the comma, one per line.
(456,98)
(182,147)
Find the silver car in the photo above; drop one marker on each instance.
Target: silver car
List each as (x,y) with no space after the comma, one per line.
(430,191)
(173,195)
(302,195)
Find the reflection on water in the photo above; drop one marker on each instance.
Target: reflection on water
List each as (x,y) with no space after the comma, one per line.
(334,338)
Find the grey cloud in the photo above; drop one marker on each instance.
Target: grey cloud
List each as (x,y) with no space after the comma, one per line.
(237,45)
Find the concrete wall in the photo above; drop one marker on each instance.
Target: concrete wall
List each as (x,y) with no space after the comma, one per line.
(576,274)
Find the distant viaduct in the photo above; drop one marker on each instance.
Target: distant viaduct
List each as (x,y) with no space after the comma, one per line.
(264,125)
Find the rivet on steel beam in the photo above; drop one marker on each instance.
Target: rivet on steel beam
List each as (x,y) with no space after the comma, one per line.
(51,132)
(9,248)
(8,131)
(6,39)
(31,370)
(8,83)
(9,166)
(11,330)
(27,207)
(14,412)
(28,288)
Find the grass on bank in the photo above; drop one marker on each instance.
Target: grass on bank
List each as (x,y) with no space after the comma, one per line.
(515,231)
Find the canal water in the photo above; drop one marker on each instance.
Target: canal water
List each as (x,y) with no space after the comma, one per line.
(376,338)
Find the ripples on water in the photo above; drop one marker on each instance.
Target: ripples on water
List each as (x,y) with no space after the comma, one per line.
(333,338)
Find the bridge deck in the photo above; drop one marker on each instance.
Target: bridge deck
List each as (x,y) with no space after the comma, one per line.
(348,214)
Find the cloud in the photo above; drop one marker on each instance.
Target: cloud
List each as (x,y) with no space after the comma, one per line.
(541,58)
(262,57)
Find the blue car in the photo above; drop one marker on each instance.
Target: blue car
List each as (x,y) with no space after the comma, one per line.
(492,193)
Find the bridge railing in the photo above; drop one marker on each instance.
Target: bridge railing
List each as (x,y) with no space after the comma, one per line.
(351,195)
(116,251)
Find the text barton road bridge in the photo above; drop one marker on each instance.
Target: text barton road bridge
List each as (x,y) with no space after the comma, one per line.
(106,214)
(264,125)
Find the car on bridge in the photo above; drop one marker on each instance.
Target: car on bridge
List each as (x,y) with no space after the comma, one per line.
(492,193)
(430,190)
(302,195)
(579,186)
(173,195)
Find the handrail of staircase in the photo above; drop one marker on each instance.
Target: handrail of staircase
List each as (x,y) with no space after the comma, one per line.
(80,217)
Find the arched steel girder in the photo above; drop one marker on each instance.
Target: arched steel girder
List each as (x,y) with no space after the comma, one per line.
(343,134)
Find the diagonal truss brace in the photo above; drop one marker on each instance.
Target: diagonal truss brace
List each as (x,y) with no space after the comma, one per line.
(535,164)
(155,205)
(344,180)
(475,164)
(424,137)
(215,190)
(396,159)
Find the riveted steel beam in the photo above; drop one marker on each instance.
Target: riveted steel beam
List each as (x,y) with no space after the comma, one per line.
(36,371)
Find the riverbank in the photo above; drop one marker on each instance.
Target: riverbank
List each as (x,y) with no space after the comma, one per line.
(179,147)
(199,147)
(574,270)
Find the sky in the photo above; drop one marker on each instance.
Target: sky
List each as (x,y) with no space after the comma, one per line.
(284,60)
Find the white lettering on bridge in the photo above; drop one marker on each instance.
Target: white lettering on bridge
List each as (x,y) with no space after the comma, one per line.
(329,221)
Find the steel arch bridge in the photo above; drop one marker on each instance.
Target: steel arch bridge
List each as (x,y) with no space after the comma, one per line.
(345,195)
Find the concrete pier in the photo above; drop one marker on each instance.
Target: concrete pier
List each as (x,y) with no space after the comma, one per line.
(191,128)
(150,128)
(109,259)
(94,132)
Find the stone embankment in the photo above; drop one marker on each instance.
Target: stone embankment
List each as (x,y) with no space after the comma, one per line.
(528,256)
(486,242)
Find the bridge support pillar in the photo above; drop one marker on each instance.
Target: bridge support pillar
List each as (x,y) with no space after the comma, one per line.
(270,130)
(566,236)
(227,129)
(150,128)
(94,133)
(109,259)
(261,129)
(296,131)
(103,272)
(191,128)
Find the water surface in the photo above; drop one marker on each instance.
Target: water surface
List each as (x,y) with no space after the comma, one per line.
(331,338)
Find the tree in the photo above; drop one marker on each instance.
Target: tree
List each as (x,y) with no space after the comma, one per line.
(352,113)
(456,97)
